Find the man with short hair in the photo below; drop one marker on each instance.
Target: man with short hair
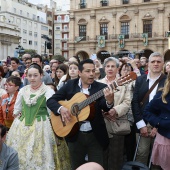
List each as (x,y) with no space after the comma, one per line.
(13,66)
(91,137)
(144,65)
(46,77)
(22,67)
(142,86)
(8,156)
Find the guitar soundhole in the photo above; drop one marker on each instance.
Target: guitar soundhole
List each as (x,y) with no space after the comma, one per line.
(75,109)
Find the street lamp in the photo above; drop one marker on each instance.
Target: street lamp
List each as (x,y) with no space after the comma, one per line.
(19,50)
(47,42)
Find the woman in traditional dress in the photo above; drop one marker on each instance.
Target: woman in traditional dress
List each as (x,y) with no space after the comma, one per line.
(31,133)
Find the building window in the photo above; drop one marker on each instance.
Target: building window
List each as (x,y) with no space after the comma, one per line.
(30,24)
(57,28)
(44,28)
(82,4)
(125,29)
(20,12)
(30,33)
(18,21)
(35,43)
(146,0)
(67,18)
(11,19)
(57,36)
(82,32)
(104,3)
(35,34)
(24,41)
(57,46)
(147,27)
(65,36)
(34,17)
(59,18)
(24,22)
(104,30)
(35,25)
(15,10)
(65,55)
(125,1)
(24,31)
(30,42)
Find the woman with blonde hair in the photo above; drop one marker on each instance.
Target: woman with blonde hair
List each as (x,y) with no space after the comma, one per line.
(157,113)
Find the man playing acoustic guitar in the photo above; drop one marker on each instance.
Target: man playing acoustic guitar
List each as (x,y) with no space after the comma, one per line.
(91,138)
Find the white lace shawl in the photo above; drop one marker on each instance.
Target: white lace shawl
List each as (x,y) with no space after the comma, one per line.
(25,92)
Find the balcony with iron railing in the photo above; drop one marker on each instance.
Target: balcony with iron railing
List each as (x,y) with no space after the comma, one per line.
(64,49)
(116,36)
(104,3)
(81,38)
(82,5)
(106,37)
(65,30)
(61,21)
(64,39)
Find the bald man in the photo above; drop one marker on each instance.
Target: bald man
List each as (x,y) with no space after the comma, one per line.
(90,166)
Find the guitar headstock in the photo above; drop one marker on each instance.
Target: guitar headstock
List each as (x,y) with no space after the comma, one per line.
(127,79)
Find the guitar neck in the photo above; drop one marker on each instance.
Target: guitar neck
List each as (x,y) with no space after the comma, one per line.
(95,96)
(121,81)
(91,99)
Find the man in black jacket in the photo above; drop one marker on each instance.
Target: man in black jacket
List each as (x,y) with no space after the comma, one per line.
(143,84)
(92,137)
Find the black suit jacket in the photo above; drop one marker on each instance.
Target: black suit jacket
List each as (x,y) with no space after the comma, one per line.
(98,124)
(141,88)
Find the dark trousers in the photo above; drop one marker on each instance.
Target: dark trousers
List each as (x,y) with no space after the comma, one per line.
(113,156)
(86,143)
(130,144)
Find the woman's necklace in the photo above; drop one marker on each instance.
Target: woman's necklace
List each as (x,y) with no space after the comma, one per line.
(36,88)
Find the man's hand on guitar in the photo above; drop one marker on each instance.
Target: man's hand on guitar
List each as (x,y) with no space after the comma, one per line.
(65,114)
(109,95)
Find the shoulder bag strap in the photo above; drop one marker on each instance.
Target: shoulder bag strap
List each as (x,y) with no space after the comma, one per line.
(150,90)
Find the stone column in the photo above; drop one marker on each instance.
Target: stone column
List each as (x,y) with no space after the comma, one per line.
(160,26)
(72,35)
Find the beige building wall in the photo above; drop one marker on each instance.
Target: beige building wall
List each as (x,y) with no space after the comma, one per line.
(9,39)
(136,12)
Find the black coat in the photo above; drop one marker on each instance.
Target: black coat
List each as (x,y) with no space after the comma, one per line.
(98,124)
(141,88)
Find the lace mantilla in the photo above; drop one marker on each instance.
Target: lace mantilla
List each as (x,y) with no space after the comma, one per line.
(27,93)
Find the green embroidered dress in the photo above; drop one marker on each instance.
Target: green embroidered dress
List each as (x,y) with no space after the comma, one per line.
(32,135)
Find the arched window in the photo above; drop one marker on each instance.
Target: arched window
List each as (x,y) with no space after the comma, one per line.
(124,21)
(82,28)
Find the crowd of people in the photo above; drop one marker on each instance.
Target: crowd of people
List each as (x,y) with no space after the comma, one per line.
(31,89)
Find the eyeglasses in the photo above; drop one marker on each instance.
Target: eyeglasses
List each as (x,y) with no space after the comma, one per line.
(28,63)
(8,84)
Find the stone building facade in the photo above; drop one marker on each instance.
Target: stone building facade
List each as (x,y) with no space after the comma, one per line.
(144,25)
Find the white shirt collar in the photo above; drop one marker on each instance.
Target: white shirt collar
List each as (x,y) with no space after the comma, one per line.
(80,84)
(149,78)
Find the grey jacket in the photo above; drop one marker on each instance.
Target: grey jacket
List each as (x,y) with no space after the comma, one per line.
(8,158)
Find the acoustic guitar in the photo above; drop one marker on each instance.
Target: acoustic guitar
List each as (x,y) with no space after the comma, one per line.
(81,108)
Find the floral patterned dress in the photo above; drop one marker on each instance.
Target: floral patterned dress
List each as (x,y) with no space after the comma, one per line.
(32,136)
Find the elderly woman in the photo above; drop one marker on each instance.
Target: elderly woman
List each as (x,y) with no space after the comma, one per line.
(114,153)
